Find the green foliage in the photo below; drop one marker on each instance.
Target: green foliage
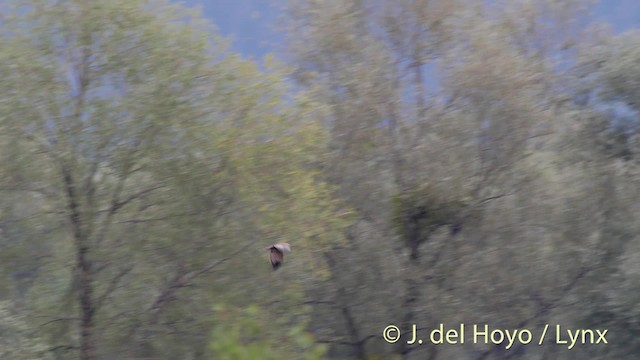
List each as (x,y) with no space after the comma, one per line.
(130,135)
(421,210)
(251,333)
(16,340)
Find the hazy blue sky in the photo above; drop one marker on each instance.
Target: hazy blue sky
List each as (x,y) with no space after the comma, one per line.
(251,22)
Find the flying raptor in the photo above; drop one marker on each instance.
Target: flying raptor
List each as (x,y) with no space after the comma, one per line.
(276,254)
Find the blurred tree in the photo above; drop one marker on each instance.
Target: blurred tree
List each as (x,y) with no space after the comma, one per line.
(144,157)
(456,113)
(96,98)
(434,162)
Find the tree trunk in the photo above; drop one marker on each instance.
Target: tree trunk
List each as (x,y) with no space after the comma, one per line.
(84,272)
(87,307)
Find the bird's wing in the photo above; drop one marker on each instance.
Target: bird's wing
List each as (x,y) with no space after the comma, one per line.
(282,247)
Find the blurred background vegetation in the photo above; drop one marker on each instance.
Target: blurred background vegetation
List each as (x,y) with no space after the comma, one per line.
(429,161)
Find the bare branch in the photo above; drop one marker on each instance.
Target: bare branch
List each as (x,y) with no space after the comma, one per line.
(118,205)
(62,347)
(162,218)
(112,286)
(181,281)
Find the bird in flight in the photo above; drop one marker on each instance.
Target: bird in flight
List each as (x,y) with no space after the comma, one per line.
(276,253)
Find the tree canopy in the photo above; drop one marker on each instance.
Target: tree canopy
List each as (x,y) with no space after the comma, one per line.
(429,161)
